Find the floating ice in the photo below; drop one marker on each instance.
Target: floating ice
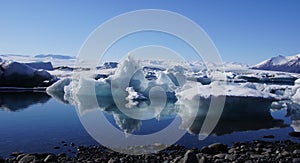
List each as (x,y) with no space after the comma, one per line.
(220,89)
(40,65)
(296,91)
(56,90)
(296,125)
(296,96)
(15,74)
(129,81)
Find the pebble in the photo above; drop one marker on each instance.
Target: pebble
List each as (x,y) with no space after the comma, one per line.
(206,150)
(20,156)
(189,157)
(297,151)
(112,160)
(177,159)
(62,155)
(229,157)
(296,160)
(218,147)
(50,158)
(202,159)
(255,156)
(27,158)
(285,153)
(221,155)
(256,151)
(15,154)
(295,134)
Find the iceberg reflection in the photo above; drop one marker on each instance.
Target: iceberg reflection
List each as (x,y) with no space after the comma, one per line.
(15,101)
(293,111)
(239,114)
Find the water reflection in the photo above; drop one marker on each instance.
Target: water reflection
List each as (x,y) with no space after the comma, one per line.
(293,111)
(15,101)
(239,114)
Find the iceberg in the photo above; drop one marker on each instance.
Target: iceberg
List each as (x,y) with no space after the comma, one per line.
(133,92)
(129,83)
(41,65)
(296,96)
(15,74)
(222,89)
(296,92)
(56,90)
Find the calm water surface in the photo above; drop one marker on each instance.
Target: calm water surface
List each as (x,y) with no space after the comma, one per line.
(35,122)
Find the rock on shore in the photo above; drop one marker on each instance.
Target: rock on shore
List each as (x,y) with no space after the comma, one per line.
(256,151)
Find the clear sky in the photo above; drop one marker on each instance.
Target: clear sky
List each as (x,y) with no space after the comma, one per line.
(243,31)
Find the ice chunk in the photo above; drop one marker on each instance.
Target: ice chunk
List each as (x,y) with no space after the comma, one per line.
(221,89)
(296,96)
(176,74)
(256,86)
(296,91)
(56,90)
(296,125)
(296,86)
(87,86)
(132,97)
(21,75)
(109,65)
(277,105)
(17,68)
(40,65)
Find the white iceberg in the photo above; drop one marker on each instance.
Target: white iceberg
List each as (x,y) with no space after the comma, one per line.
(296,91)
(221,89)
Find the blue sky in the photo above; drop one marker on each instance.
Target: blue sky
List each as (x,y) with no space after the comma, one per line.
(243,31)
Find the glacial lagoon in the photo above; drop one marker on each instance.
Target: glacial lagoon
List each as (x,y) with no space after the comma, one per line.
(36,122)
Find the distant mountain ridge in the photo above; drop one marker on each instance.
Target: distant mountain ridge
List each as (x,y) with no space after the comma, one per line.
(54,56)
(280,63)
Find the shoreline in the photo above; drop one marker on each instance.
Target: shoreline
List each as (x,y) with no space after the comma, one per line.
(254,151)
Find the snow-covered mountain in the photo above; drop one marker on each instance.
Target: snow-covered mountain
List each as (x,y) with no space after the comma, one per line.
(280,63)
